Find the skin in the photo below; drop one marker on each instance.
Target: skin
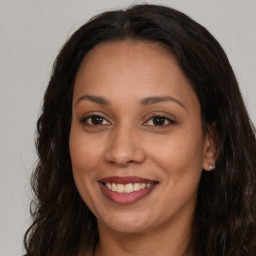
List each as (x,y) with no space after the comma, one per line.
(128,143)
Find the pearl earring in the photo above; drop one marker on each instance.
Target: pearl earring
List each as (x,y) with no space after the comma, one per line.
(211,166)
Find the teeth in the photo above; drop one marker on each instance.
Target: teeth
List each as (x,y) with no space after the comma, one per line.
(120,188)
(136,186)
(127,188)
(114,187)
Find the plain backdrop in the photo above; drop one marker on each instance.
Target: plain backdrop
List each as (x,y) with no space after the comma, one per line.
(31,34)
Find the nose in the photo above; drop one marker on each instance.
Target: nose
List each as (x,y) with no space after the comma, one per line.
(125,147)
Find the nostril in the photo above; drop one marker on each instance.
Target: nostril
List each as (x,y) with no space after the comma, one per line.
(123,150)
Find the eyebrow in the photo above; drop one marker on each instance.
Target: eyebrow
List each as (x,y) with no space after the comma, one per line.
(154,100)
(95,99)
(145,102)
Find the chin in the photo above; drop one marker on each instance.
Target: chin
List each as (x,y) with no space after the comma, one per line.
(127,223)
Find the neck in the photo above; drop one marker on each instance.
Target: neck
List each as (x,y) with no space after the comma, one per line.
(161,241)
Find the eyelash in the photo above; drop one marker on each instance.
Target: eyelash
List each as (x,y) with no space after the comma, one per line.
(89,117)
(164,119)
(84,120)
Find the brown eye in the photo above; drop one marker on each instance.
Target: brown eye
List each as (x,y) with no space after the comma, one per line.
(158,120)
(95,120)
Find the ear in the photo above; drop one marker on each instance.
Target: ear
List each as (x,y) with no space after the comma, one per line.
(210,149)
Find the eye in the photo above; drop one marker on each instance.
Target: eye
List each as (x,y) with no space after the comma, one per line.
(159,120)
(95,120)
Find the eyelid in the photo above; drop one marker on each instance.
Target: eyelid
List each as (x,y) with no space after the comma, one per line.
(167,116)
(92,114)
(170,118)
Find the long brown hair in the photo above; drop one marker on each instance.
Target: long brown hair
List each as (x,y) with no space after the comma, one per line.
(224,222)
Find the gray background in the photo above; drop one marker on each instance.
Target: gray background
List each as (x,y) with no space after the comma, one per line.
(32,32)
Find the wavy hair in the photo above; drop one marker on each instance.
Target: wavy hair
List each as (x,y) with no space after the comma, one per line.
(225,215)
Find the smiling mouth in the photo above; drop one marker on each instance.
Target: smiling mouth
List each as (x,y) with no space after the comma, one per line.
(127,188)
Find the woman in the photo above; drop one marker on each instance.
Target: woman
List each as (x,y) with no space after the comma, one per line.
(145,146)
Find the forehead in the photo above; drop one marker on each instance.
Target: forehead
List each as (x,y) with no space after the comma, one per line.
(125,57)
(126,53)
(131,68)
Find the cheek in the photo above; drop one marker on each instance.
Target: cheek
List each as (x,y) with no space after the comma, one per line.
(83,152)
(180,156)
(84,159)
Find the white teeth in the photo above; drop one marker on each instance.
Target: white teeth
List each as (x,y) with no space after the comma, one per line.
(120,188)
(136,186)
(109,186)
(148,185)
(113,187)
(127,188)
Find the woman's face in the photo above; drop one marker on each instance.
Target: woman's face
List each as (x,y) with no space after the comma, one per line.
(136,141)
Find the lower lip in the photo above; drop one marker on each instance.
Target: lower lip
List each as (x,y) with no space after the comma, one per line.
(125,198)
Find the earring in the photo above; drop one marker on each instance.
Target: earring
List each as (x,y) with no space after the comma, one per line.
(211,166)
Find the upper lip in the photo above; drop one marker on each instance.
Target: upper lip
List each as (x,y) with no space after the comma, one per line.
(126,180)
